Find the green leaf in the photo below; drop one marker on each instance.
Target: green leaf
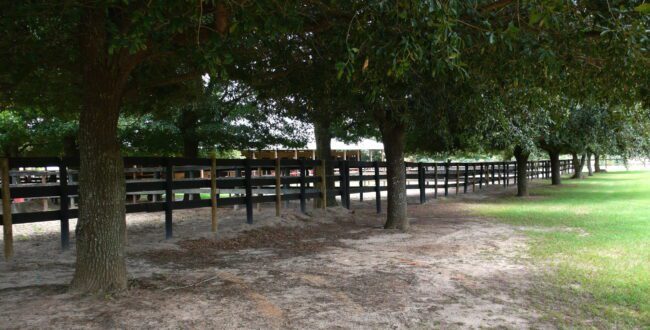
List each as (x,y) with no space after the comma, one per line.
(535,17)
(340,67)
(643,8)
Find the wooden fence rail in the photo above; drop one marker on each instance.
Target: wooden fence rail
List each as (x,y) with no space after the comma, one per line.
(231,182)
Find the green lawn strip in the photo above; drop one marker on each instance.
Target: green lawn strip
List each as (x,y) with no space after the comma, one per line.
(593,235)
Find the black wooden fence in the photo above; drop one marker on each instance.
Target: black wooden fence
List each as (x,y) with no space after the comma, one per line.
(246,182)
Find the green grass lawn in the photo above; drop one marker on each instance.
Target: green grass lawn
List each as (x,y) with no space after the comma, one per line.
(592,237)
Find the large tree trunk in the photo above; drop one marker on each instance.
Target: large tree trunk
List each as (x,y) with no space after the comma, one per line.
(101,228)
(190,148)
(70,147)
(323,137)
(597,168)
(189,120)
(590,171)
(577,166)
(393,136)
(522,180)
(556,177)
(577,170)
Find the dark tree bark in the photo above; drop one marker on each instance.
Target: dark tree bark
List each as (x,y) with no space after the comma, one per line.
(188,122)
(578,165)
(190,148)
(70,147)
(101,228)
(394,138)
(597,168)
(556,177)
(522,179)
(12,151)
(323,137)
(590,171)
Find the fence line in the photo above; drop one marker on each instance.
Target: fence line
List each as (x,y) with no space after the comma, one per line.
(263,181)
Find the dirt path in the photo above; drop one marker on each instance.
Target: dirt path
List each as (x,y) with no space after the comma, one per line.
(327,270)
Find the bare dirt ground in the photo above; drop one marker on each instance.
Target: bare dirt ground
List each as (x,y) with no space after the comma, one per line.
(327,269)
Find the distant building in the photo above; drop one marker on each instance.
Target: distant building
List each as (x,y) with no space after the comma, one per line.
(366,149)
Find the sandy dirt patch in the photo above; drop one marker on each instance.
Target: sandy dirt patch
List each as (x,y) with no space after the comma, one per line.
(327,269)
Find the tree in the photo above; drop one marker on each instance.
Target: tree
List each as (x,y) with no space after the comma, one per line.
(208,116)
(456,40)
(299,79)
(106,54)
(14,133)
(515,122)
(25,132)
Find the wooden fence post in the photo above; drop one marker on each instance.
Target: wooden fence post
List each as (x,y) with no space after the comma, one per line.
(505,174)
(473,177)
(237,175)
(361,183)
(447,178)
(466,175)
(493,175)
(287,186)
(531,170)
(213,192)
(249,191)
(435,180)
(324,184)
(421,174)
(377,186)
(480,180)
(508,171)
(155,197)
(457,178)
(258,206)
(278,187)
(44,201)
(347,184)
(6,211)
(342,181)
(303,203)
(169,197)
(64,205)
(516,175)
